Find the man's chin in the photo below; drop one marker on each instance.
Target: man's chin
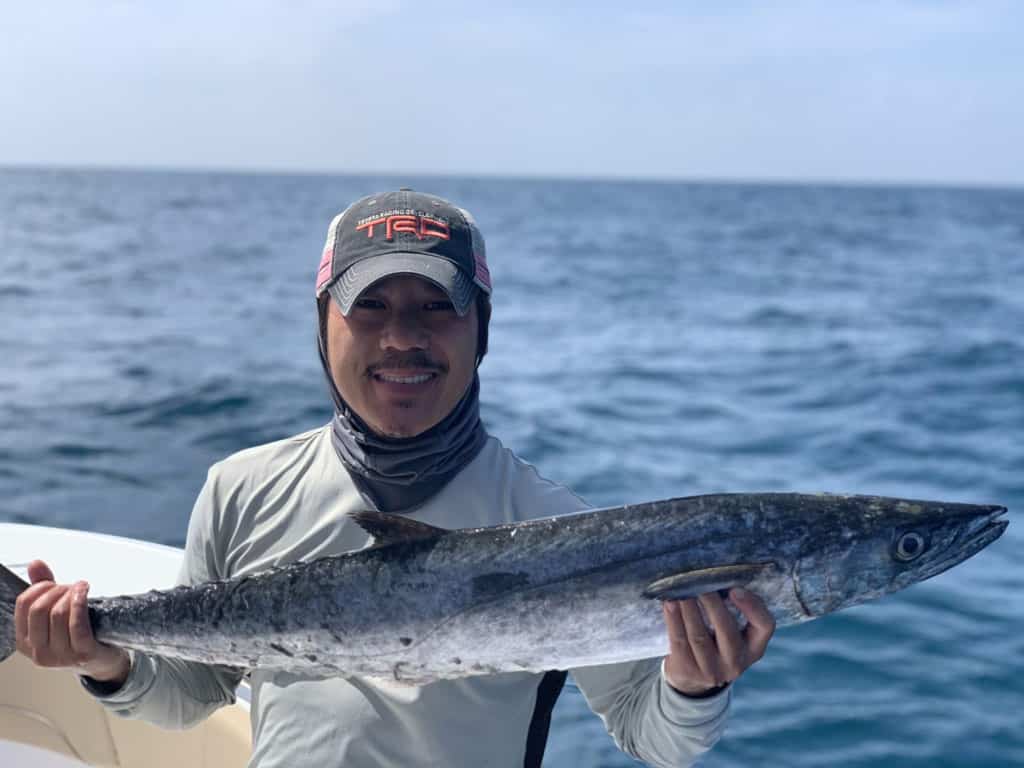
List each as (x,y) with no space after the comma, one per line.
(401,434)
(403,429)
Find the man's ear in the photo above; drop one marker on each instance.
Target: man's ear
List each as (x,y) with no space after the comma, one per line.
(483,321)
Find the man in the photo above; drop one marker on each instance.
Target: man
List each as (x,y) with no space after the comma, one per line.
(403,296)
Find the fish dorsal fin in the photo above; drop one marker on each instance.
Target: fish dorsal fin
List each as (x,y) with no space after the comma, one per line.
(388,528)
(680,586)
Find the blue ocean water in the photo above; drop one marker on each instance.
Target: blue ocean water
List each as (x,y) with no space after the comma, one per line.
(648,340)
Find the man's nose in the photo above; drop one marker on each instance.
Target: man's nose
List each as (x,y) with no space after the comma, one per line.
(404,331)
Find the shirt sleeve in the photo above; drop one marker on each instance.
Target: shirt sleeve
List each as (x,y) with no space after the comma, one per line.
(173,693)
(649,719)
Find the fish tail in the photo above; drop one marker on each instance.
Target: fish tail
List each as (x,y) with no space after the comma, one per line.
(11,585)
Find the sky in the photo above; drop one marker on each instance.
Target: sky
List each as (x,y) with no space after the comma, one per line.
(904,91)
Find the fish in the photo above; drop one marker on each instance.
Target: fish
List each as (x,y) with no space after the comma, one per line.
(422,603)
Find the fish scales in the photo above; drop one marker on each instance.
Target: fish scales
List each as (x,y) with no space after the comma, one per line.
(424,604)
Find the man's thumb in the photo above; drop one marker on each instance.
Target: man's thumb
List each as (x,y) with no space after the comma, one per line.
(39,571)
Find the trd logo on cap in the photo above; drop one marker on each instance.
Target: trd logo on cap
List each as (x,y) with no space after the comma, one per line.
(413,224)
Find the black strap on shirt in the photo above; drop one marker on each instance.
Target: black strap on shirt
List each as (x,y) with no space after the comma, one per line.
(537,737)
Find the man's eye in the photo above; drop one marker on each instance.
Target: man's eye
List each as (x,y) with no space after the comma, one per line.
(440,306)
(369,304)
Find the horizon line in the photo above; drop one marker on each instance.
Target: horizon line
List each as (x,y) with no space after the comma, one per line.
(725,180)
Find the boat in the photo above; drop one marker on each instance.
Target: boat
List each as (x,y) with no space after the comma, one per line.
(47,720)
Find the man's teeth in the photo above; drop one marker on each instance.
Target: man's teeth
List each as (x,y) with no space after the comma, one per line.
(418,379)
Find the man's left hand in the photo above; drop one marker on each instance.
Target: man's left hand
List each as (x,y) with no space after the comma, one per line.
(701,660)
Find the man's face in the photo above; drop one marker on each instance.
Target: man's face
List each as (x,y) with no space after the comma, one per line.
(403,357)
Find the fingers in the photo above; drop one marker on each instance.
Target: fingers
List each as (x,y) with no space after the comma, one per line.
(83,643)
(732,649)
(679,643)
(22,605)
(60,641)
(39,625)
(702,644)
(707,648)
(760,623)
(52,624)
(39,571)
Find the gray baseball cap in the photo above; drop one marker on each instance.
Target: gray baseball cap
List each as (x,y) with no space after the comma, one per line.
(403,233)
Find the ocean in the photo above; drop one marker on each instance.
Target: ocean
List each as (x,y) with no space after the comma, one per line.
(648,340)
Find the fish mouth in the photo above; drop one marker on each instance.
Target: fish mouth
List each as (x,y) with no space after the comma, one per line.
(984,529)
(986,526)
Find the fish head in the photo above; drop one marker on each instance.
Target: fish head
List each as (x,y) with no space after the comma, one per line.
(861,552)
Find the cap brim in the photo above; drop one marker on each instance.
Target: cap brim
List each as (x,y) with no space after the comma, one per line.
(443,273)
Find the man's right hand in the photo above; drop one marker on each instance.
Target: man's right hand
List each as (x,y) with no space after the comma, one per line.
(52,628)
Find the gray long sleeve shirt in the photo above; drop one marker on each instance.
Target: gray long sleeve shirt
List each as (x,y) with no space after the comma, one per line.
(289,501)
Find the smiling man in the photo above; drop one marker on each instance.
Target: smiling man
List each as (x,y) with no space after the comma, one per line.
(403,355)
(403,299)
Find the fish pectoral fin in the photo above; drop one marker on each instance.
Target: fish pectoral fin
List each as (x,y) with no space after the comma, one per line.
(388,528)
(680,586)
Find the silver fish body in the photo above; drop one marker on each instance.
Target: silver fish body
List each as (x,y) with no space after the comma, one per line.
(424,604)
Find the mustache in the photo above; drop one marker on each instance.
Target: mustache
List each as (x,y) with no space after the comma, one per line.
(420,360)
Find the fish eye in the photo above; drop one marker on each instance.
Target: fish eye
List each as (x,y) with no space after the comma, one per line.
(909,546)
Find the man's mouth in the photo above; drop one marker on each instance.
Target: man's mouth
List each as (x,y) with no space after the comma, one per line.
(394,378)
